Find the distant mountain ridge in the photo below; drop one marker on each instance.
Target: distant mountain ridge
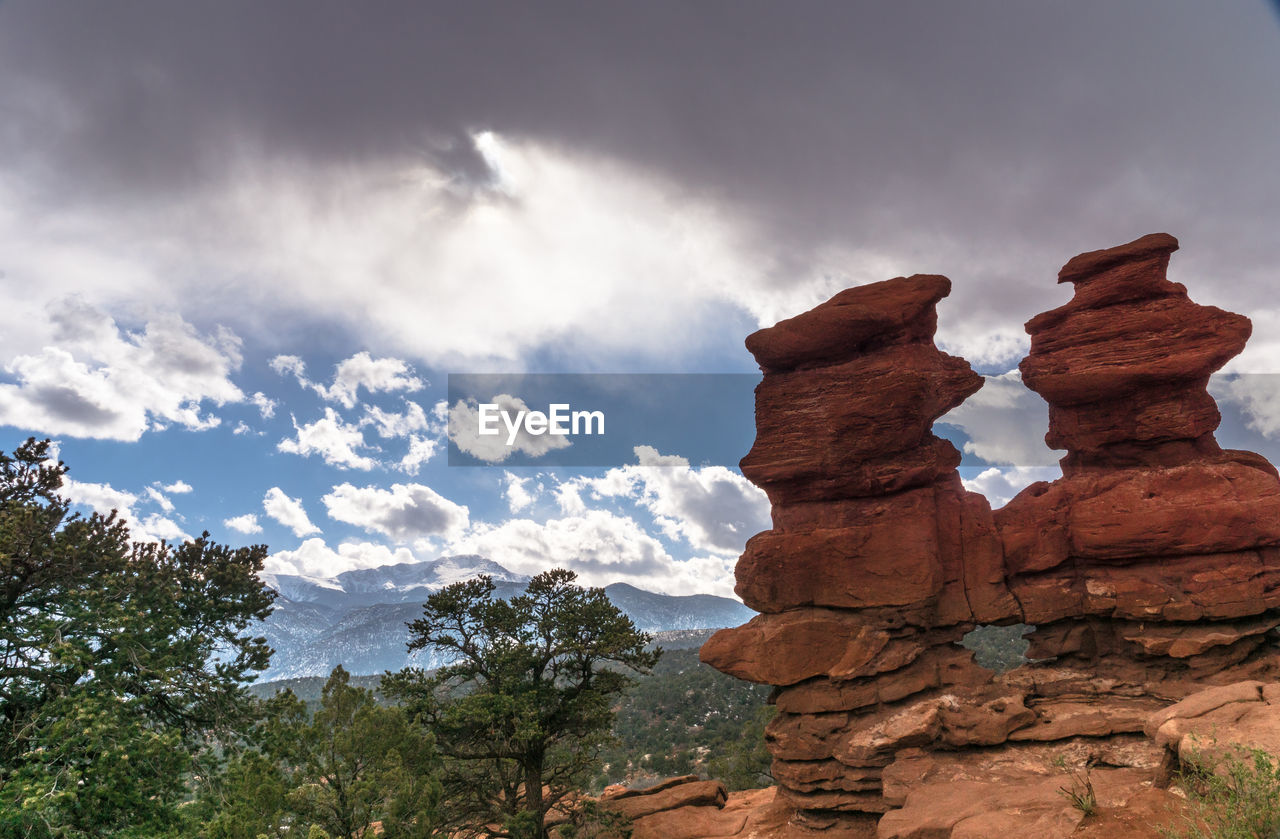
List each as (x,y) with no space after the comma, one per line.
(357,619)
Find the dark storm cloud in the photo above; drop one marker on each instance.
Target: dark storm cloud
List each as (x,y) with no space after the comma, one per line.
(986,140)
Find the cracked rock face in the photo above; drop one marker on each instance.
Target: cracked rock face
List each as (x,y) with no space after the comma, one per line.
(1151,568)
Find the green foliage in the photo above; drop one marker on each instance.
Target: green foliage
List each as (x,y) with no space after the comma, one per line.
(685,718)
(310,688)
(1236,796)
(523,711)
(118,661)
(588,820)
(352,763)
(1081,793)
(745,763)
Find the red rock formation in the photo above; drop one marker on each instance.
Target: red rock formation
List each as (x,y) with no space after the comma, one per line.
(1124,365)
(1154,560)
(878,561)
(1151,569)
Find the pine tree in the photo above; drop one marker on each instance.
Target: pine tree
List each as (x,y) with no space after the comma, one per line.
(528,700)
(118,660)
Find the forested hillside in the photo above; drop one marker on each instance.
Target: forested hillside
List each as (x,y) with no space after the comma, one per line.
(684,718)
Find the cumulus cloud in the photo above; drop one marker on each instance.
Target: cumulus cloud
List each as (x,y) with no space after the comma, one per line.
(314,558)
(602,547)
(712,508)
(178,487)
(334,439)
(516,491)
(391,424)
(1257,396)
(376,375)
(104,498)
(246,524)
(404,512)
(265,405)
(160,498)
(97,380)
(288,512)
(1005,423)
(464,431)
(569,498)
(420,451)
(1001,483)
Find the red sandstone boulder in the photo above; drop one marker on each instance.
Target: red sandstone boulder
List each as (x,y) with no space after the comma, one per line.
(1220,722)
(1124,365)
(787,648)
(857,319)
(942,665)
(835,432)
(679,792)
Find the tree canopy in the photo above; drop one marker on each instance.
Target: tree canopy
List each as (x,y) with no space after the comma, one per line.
(528,700)
(118,660)
(352,764)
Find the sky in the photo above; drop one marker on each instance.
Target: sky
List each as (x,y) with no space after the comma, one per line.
(243,246)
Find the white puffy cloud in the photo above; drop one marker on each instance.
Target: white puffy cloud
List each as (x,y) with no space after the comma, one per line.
(159,497)
(1256,395)
(265,405)
(155,527)
(406,425)
(516,491)
(246,524)
(999,347)
(404,512)
(712,508)
(335,440)
(291,365)
(376,375)
(314,558)
(421,449)
(94,379)
(390,424)
(602,547)
(464,431)
(288,512)
(104,498)
(1001,483)
(178,487)
(1005,422)
(569,498)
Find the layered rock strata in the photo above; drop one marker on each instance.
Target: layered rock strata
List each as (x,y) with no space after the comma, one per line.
(1154,562)
(1151,568)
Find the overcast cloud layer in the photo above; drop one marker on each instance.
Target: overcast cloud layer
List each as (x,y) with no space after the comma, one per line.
(198,201)
(812,145)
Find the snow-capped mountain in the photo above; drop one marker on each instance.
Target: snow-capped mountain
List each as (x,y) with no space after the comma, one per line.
(357,619)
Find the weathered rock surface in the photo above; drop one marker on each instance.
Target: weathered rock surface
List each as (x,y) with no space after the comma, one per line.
(1214,723)
(1151,569)
(850,393)
(686,808)
(1124,365)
